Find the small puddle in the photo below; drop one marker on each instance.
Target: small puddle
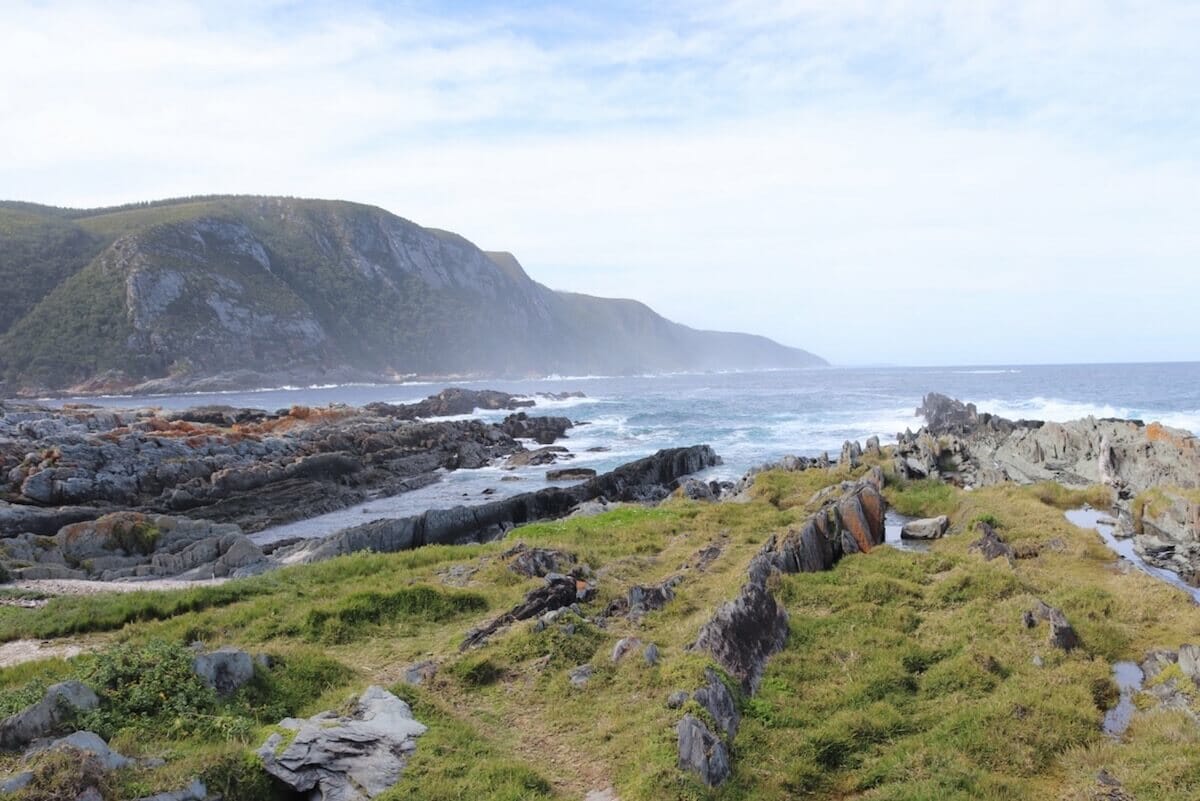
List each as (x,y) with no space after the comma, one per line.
(1088,517)
(1128,677)
(892,523)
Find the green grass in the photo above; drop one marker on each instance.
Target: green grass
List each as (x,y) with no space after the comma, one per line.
(906,675)
(924,498)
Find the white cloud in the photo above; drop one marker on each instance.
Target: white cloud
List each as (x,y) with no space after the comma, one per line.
(878,182)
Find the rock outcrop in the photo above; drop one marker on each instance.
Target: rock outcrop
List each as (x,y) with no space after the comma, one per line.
(648,479)
(61,703)
(345,757)
(1153,470)
(743,633)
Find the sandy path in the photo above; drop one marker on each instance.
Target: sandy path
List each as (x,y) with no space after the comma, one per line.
(84,587)
(18,651)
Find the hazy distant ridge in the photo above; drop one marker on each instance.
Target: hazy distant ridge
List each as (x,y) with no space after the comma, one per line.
(206,286)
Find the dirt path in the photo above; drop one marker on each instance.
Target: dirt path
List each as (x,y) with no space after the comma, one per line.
(84,587)
(18,651)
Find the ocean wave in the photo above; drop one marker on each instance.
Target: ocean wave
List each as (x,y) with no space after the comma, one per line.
(1061,411)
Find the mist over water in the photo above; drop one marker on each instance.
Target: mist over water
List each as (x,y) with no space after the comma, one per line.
(749,418)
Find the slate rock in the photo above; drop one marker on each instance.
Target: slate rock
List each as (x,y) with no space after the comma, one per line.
(60,703)
(701,751)
(351,757)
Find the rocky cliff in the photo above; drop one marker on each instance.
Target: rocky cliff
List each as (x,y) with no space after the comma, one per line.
(213,292)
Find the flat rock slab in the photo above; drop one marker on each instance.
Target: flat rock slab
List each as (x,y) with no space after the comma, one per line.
(349,757)
(930,528)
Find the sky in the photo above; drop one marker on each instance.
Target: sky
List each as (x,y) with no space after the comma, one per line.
(971,182)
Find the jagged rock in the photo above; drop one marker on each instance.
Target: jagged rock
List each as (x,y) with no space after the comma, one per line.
(696,490)
(851,454)
(350,757)
(930,528)
(989,544)
(872,447)
(540,456)
(1062,634)
(58,706)
(543,430)
(744,632)
(225,670)
(716,699)
(538,562)
(559,591)
(450,402)
(648,479)
(651,654)
(702,752)
(571,474)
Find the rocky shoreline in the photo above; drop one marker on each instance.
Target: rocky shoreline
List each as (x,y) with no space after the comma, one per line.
(107,495)
(1153,470)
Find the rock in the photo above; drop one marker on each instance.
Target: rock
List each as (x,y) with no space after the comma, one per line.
(744,632)
(580,676)
(851,454)
(1062,634)
(702,752)
(558,592)
(571,474)
(624,646)
(648,479)
(350,757)
(537,562)
(716,699)
(1189,662)
(930,528)
(651,654)
(543,430)
(450,402)
(989,544)
(15,782)
(696,490)
(540,456)
(419,673)
(58,706)
(872,447)
(677,699)
(88,743)
(225,670)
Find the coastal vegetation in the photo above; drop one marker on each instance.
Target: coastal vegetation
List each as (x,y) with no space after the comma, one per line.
(908,674)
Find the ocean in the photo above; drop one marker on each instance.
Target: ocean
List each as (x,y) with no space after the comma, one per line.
(749,418)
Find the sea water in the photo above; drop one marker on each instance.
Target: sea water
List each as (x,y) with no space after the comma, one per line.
(749,418)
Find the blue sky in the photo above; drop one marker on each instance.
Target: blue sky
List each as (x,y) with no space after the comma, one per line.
(901,182)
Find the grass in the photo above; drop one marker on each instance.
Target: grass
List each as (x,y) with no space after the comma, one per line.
(907,675)
(1155,501)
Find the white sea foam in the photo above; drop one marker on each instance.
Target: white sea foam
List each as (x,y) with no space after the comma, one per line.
(1061,411)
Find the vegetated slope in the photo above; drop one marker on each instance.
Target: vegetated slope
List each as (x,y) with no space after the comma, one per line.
(202,286)
(907,675)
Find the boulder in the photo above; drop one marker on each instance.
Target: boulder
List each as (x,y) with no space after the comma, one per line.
(677,699)
(1062,634)
(419,673)
(716,699)
(702,752)
(744,632)
(623,647)
(571,474)
(540,456)
(225,670)
(696,490)
(537,562)
(929,528)
(580,676)
(345,757)
(88,743)
(195,791)
(651,654)
(989,544)
(58,706)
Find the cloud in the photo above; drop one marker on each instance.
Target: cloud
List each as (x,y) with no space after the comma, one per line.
(900,182)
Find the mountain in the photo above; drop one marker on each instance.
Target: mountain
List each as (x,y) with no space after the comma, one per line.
(177,293)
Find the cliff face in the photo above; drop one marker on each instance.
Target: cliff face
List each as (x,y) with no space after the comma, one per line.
(197,288)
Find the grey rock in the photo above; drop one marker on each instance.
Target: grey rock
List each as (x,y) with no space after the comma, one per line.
(677,699)
(58,706)
(15,782)
(225,670)
(930,528)
(1062,634)
(623,647)
(419,673)
(702,752)
(571,474)
(580,676)
(651,654)
(716,699)
(89,743)
(351,757)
